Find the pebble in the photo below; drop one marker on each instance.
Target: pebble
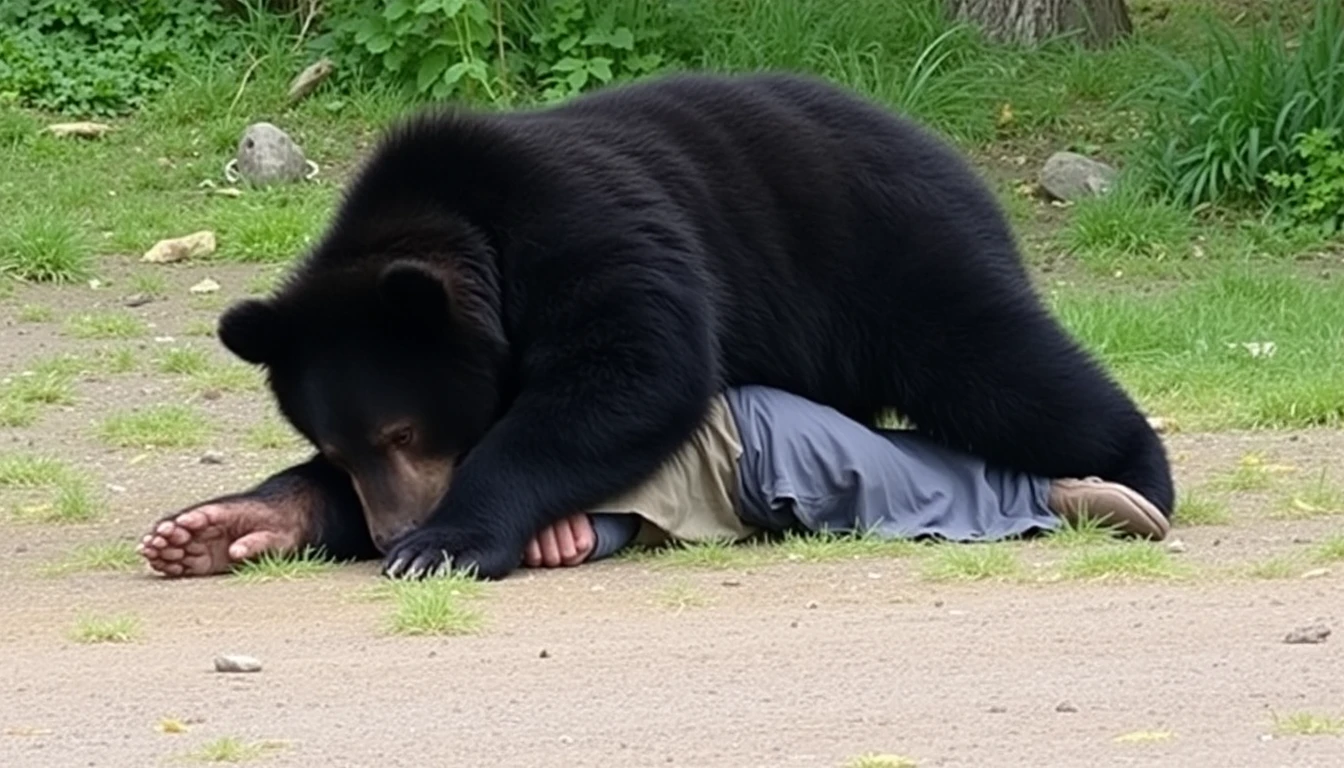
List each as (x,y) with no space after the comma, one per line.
(194,245)
(212,457)
(235,662)
(731,583)
(811,604)
(1065,706)
(137,299)
(205,286)
(545,654)
(1312,634)
(1177,546)
(1316,573)
(998,709)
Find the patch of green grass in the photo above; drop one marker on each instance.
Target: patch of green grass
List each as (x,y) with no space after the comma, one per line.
(271,434)
(228,749)
(72,502)
(715,555)
(874,760)
(679,596)
(199,328)
(184,360)
(105,629)
(1274,568)
(105,556)
(112,324)
(1123,561)
(1308,724)
(227,377)
(1331,550)
(1125,229)
(286,566)
(15,412)
(149,284)
(44,247)
(117,360)
(23,470)
(36,313)
(1317,499)
(159,426)
(1252,473)
(1084,532)
(434,606)
(48,388)
(1194,509)
(1197,351)
(972,562)
(829,547)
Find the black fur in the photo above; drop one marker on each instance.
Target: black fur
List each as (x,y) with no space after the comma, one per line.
(608,264)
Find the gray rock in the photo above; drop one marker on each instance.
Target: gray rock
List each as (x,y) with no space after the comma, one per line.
(1065,706)
(236,662)
(1071,176)
(1312,634)
(267,155)
(212,457)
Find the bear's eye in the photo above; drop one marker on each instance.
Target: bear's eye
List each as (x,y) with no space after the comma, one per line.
(401,437)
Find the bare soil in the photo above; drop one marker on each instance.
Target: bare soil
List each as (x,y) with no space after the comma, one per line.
(783,665)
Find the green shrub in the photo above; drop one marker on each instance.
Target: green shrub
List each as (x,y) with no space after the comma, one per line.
(490,51)
(97,56)
(1227,126)
(1315,195)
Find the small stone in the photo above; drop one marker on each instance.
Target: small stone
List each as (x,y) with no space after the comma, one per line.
(545,654)
(1069,176)
(235,662)
(174,249)
(307,81)
(1159,425)
(205,286)
(116,488)
(1316,573)
(1065,706)
(731,583)
(212,457)
(998,709)
(137,299)
(21,548)
(1176,546)
(792,624)
(566,739)
(811,604)
(1312,634)
(937,603)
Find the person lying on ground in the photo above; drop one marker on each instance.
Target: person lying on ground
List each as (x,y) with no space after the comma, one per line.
(764,461)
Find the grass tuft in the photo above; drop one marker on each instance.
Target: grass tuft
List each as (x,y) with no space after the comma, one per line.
(1318,499)
(434,606)
(679,596)
(184,360)
(44,247)
(1084,532)
(972,562)
(1308,724)
(105,629)
(1122,561)
(874,760)
(160,426)
(22,470)
(105,556)
(106,325)
(36,313)
(284,566)
(1331,550)
(1194,509)
(228,749)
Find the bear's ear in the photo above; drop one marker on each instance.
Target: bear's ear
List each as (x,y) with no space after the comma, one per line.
(417,290)
(254,331)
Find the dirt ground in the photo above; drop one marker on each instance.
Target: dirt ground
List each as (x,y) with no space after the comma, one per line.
(792,664)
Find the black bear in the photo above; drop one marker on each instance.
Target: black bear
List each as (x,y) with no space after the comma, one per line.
(517,316)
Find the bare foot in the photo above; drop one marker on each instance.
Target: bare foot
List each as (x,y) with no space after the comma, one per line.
(212,538)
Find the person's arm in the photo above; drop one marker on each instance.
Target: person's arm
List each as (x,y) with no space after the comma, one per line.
(612,532)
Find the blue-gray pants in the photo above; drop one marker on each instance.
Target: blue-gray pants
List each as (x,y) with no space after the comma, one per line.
(805,466)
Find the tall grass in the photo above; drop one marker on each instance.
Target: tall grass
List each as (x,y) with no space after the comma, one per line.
(1227,122)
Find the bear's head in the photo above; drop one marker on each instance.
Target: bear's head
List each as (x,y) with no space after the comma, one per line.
(388,360)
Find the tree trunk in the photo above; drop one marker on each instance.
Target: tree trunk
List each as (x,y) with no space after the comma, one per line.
(1028,22)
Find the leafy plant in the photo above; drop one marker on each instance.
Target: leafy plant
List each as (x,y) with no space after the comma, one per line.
(1315,194)
(98,56)
(439,48)
(575,52)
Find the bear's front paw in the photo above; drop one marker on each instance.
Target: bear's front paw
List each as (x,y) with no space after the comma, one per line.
(430,551)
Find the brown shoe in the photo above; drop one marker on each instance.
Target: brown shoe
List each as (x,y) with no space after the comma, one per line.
(1108,503)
